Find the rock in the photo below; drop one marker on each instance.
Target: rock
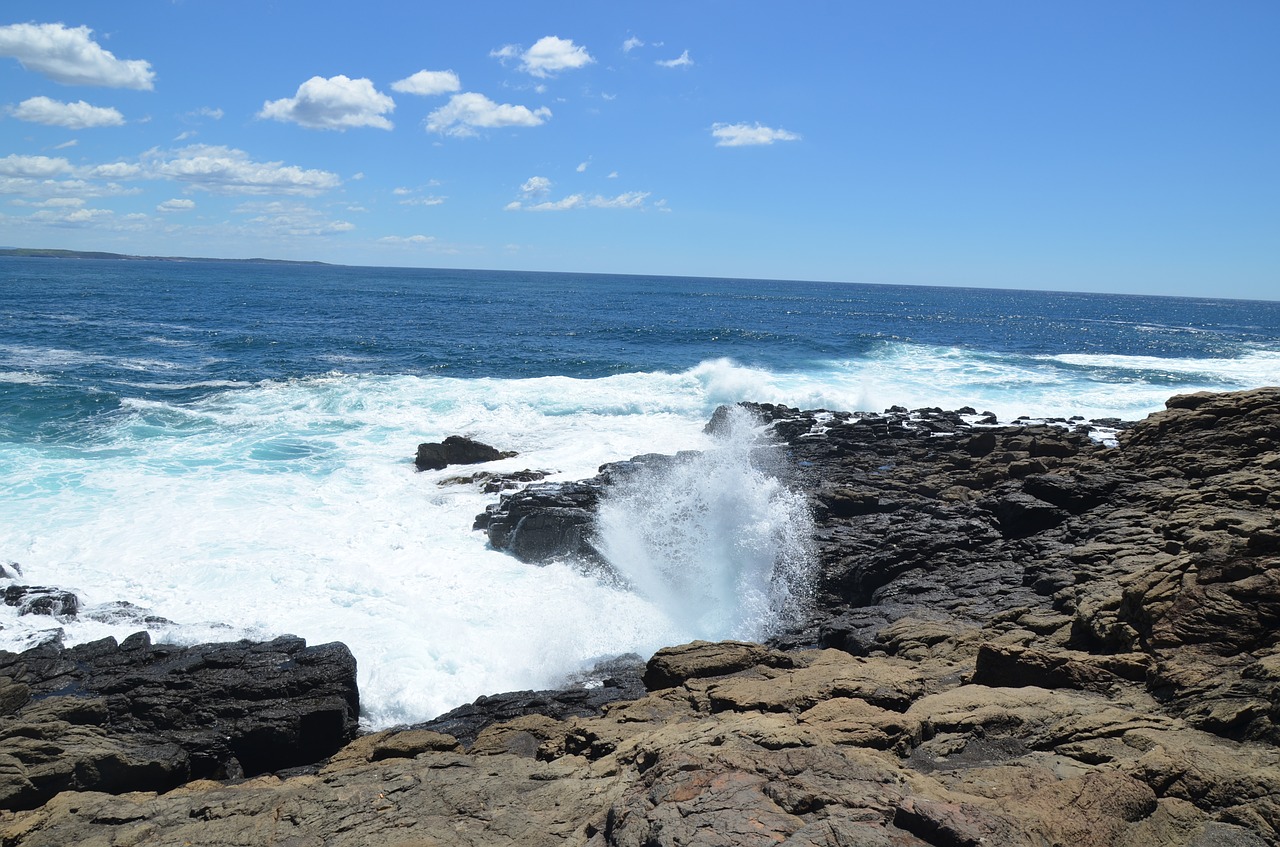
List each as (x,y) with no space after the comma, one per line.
(136,716)
(1019,636)
(545,521)
(456,450)
(39,600)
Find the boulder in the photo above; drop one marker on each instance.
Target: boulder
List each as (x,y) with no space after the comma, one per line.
(456,450)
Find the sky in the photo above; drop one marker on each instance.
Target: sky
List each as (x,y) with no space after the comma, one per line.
(1096,145)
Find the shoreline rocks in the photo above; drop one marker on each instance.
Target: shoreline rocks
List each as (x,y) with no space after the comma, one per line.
(1019,636)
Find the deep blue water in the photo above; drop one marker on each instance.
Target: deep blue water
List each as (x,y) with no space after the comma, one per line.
(93,331)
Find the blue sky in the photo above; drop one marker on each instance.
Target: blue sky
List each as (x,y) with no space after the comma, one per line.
(1094,146)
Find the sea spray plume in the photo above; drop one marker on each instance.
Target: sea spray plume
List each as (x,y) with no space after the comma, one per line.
(711,538)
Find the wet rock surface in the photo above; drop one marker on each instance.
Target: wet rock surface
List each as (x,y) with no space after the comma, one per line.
(1020,636)
(456,450)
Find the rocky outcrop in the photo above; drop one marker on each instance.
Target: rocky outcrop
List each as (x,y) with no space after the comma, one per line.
(456,450)
(1020,636)
(743,745)
(136,716)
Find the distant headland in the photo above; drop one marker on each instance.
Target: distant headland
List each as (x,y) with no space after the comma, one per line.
(49,253)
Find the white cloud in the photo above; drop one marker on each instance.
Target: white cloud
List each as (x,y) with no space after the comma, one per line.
(335,103)
(681,61)
(613,175)
(627,200)
(536,185)
(226,170)
(291,219)
(76,217)
(744,135)
(548,56)
(206,112)
(64,145)
(34,167)
(465,112)
(407,239)
(183,136)
(428,83)
(176,205)
(71,57)
(114,170)
(423,201)
(78,115)
(582,167)
(631,44)
(52,202)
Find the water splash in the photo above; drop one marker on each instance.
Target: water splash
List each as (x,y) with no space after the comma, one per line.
(712,539)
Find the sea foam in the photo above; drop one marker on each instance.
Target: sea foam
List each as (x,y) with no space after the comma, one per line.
(292,506)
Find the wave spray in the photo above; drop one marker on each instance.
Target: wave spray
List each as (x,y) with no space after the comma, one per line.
(711,538)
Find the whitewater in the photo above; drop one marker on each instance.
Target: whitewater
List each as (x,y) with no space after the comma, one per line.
(228,449)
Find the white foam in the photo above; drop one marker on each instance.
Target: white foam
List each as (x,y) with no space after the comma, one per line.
(293,507)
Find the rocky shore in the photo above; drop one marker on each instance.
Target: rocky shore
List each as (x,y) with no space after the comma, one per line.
(1018,635)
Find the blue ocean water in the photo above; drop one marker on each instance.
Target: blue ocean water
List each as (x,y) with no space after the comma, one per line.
(228,445)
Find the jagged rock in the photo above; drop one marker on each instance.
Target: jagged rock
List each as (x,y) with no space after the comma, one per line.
(456,450)
(136,716)
(41,600)
(544,521)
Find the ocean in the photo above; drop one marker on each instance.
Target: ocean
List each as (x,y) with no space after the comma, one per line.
(227,447)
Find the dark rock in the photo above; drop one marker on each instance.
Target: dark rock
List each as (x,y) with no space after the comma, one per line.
(587,695)
(544,521)
(456,450)
(169,713)
(40,600)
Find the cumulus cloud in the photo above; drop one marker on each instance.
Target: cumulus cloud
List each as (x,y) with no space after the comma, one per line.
(464,113)
(548,56)
(428,83)
(176,205)
(226,170)
(34,167)
(71,56)
(745,135)
(338,102)
(627,200)
(681,61)
(582,166)
(631,44)
(536,185)
(78,115)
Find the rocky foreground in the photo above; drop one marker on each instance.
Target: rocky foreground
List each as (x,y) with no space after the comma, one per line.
(1019,637)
